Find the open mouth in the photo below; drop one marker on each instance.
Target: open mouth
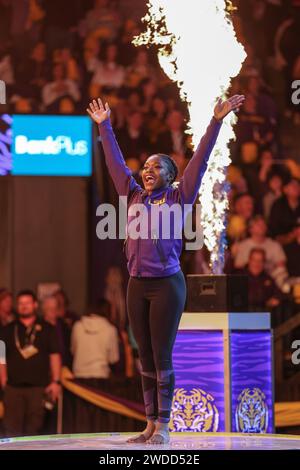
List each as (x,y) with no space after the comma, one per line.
(149,179)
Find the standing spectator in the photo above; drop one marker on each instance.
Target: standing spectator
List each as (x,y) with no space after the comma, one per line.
(95,349)
(285,212)
(68,316)
(50,312)
(94,344)
(6,307)
(275,259)
(33,360)
(114,294)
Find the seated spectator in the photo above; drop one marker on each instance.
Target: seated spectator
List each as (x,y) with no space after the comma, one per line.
(274,191)
(265,105)
(32,361)
(262,291)
(149,90)
(65,57)
(6,307)
(109,73)
(134,102)
(102,21)
(253,125)
(255,172)
(174,140)
(275,259)
(285,213)
(59,87)
(94,343)
(243,206)
(156,120)
(139,70)
(292,251)
(242,211)
(91,54)
(132,138)
(50,312)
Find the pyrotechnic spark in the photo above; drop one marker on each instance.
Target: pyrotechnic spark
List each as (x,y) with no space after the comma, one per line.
(198,49)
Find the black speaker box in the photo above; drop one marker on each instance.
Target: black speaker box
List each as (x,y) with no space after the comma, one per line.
(217,293)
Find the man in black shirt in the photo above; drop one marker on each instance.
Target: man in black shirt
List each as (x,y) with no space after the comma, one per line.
(33,367)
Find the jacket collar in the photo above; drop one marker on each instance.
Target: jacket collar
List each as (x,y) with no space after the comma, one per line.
(156,193)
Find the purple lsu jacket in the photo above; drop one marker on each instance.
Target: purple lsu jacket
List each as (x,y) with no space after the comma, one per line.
(153,255)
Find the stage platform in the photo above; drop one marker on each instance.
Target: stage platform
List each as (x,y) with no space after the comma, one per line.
(179,441)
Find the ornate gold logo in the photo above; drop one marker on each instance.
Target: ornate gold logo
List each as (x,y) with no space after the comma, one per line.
(251,414)
(194,411)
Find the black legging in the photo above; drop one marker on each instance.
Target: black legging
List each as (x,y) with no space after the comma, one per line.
(155,306)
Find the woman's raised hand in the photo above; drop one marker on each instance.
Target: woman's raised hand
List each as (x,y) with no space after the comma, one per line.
(233,103)
(97,111)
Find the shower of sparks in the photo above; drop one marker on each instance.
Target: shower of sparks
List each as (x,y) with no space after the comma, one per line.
(198,49)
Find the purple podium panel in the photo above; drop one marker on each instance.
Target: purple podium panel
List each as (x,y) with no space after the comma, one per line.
(198,403)
(251,382)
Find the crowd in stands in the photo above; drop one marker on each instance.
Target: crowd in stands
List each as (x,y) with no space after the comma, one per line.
(43,336)
(56,63)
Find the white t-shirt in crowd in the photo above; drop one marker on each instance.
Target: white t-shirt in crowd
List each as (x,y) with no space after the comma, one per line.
(94,345)
(273,250)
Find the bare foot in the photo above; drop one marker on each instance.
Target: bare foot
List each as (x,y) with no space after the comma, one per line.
(160,437)
(145,435)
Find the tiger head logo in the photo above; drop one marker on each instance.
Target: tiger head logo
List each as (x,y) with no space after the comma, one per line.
(194,411)
(251,414)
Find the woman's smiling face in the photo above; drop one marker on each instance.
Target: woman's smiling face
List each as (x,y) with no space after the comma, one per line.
(155,173)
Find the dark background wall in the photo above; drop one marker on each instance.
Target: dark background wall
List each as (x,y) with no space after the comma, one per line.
(44,234)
